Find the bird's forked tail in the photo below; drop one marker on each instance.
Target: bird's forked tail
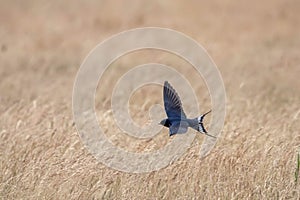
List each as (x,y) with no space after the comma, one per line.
(201,126)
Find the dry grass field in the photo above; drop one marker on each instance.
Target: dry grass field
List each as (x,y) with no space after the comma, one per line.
(255,44)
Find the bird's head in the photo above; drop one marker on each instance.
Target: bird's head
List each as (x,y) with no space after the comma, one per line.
(163,122)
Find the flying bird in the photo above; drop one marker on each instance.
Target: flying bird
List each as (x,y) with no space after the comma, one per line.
(177,122)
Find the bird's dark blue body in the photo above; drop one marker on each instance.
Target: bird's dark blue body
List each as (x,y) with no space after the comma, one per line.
(177,121)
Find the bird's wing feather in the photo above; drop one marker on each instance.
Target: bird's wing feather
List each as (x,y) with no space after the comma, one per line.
(178,127)
(172,103)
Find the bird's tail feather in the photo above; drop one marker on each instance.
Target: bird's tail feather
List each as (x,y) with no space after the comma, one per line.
(201,127)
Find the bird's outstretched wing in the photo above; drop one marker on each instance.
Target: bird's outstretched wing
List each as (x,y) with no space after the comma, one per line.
(178,127)
(172,103)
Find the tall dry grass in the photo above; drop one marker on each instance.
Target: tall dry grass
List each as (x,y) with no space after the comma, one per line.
(256,46)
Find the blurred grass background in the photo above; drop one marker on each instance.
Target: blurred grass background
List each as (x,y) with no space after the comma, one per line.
(256,46)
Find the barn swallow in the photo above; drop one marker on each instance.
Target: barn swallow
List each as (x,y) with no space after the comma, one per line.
(177,122)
